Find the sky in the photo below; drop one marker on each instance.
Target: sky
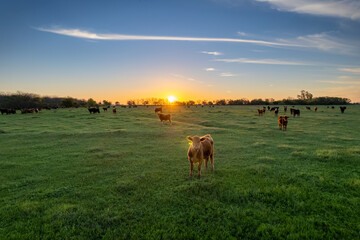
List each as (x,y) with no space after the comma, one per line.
(192,49)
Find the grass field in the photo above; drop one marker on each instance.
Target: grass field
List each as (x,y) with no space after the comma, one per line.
(69,174)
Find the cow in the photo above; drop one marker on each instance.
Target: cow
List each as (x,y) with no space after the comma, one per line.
(260,112)
(268,107)
(264,109)
(283,121)
(296,112)
(342,109)
(201,148)
(315,109)
(308,108)
(164,117)
(332,107)
(123,106)
(276,111)
(26,110)
(114,110)
(158,109)
(7,111)
(105,109)
(93,110)
(285,108)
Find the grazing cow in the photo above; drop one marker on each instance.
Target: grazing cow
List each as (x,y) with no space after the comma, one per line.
(274,108)
(308,108)
(296,112)
(105,109)
(158,109)
(26,110)
(114,110)
(292,111)
(268,107)
(342,109)
(285,108)
(315,109)
(201,148)
(7,111)
(93,110)
(164,117)
(283,121)
(260,112)
(332,107)
(276,111)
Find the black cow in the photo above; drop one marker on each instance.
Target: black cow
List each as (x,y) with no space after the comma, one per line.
(342,109)
(94,110)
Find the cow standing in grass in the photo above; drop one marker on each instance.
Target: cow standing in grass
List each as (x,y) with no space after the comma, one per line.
(164,117)
(201,148)
(315,109)
(342,109)
(158,109)
(283,121)
(114,110)
(93,110)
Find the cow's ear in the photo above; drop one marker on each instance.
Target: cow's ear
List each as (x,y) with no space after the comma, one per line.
(202,139)
(189,138)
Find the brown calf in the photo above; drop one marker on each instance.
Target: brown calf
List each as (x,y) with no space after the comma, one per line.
(315,108)
(283,121)
(114,110)
(105,109)
(201,148)
(164,117)
(158,109)
(260,112)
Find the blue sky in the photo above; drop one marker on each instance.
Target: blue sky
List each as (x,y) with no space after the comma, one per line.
(195,49)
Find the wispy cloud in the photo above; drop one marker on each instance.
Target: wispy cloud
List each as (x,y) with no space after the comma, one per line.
(186,78)
(263,61)
(78,33)
(226,74)
(343,82)
(212,53)
(209,69)
(322,41)
(352,70)
(241,33)
(335,8)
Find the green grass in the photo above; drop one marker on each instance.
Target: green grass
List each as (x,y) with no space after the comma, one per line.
(70,174)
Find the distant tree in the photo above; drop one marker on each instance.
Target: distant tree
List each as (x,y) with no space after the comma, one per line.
(68,102)
(221,102)
(305,95)
(106,103)
(190,103)
(117,103)
(91,102)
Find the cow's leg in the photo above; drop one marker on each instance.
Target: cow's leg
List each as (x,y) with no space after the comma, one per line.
(212,162)
(191,169)
(206,162)
(199,170)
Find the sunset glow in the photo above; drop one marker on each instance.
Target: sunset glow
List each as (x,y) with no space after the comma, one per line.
(172,99)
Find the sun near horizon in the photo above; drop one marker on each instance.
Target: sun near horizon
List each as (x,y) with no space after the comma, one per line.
(172,99)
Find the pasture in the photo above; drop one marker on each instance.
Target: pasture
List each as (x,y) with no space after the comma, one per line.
(71,174)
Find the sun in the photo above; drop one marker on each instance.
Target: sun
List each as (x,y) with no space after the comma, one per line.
(171,99)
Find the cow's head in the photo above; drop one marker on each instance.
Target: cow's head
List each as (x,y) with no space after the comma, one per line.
(196,141)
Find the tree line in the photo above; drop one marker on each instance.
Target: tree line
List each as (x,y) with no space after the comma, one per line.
(20,100)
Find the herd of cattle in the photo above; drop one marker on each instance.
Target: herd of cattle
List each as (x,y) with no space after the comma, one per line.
(283,120)
(201,148)
(23,111)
